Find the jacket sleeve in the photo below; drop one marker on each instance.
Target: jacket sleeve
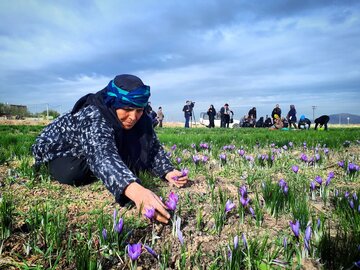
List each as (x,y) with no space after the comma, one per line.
(98,143)
(160,163)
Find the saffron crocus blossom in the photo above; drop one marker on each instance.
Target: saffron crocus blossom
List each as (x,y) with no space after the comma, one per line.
(283,186)
(328,180)
(178,160)
(236,241)
(229,206)
(243,191)
(241,152)
(184,172)
(307,237)
(104,233)
(252,212)
(244,201)
(304,157)
(193,145)
(291,144)
(341,163)
(119,226)
(204,146)
(295,227)
(134,251)
(331,175)
(196,159)
(286,189)
(318,223)
(285,147)
(149,213)
(151,251)
(295,168)
(312,186)
(351,203)
(326,151)
(205,159)
(357,264)
(173,148)
(222,157)
(317,157)
(319,180)
(355,197)
(172,201)
(346,195)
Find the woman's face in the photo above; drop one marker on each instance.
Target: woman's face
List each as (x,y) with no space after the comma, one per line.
(129,116)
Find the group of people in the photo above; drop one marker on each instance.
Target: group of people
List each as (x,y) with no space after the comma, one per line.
(225,114)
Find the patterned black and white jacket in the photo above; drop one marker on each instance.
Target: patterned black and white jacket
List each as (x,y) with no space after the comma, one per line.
(87,134)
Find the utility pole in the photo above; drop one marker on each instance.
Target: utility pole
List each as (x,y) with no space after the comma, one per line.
(313,108)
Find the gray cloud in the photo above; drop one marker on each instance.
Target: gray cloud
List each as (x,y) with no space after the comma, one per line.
(249,53)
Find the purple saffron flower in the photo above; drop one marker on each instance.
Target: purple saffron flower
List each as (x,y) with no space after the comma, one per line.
(178,160)
(174,197)
(285,147)
(134,251)
(331,175)
(173,148)
(149,213)
(357,264)
(351,203)
(151,251)
(346,195)
(104,233)
(359,208)
(341,163)
(243,191)
(222,157)
(291,144)
(285,189)
(319,180)
(236,241)
(171,205)
(328,181)
(119,226)
(272,157)
(295,168)
(326,151)
(312,186)
(204,146)
(241,152)
(308,233)
(355,197)
(229,206)
(205,159)
(295,227)
(317,157)
(193,145)
(244,201)
(252,212)
(351,167)
(196,159)
(304,157)
(318,223)
(282,183)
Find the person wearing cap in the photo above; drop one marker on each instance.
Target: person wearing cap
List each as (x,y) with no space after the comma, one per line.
(304,123)
(187,109)
(108,136)
(322,121)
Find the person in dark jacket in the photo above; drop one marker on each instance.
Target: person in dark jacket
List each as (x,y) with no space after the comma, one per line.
(291,116)
(304,123)
(107,135)
(322,121)
(187,109)
(252,114)
(277,111)
(211,113)
(225,115)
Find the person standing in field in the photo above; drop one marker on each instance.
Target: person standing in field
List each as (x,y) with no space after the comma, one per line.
(322,121)
(187,109)
(211,113)
(160,116)
(252,114)
(108,136)
(225,116)
(277,111)
(291,116)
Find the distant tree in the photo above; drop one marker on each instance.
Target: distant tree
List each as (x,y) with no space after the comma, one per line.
(13,110)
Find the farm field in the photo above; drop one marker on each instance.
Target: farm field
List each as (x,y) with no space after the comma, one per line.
(257,199)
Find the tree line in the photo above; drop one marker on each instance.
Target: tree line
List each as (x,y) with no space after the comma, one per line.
(18,112)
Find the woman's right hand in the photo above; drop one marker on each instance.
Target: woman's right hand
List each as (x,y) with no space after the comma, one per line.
(146,199)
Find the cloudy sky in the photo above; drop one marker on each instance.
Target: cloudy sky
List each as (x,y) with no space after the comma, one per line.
(245,53)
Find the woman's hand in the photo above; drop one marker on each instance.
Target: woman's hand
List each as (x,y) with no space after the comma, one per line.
(146,199)
(175,177)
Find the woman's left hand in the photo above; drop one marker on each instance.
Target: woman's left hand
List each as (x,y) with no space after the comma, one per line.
(175,177)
